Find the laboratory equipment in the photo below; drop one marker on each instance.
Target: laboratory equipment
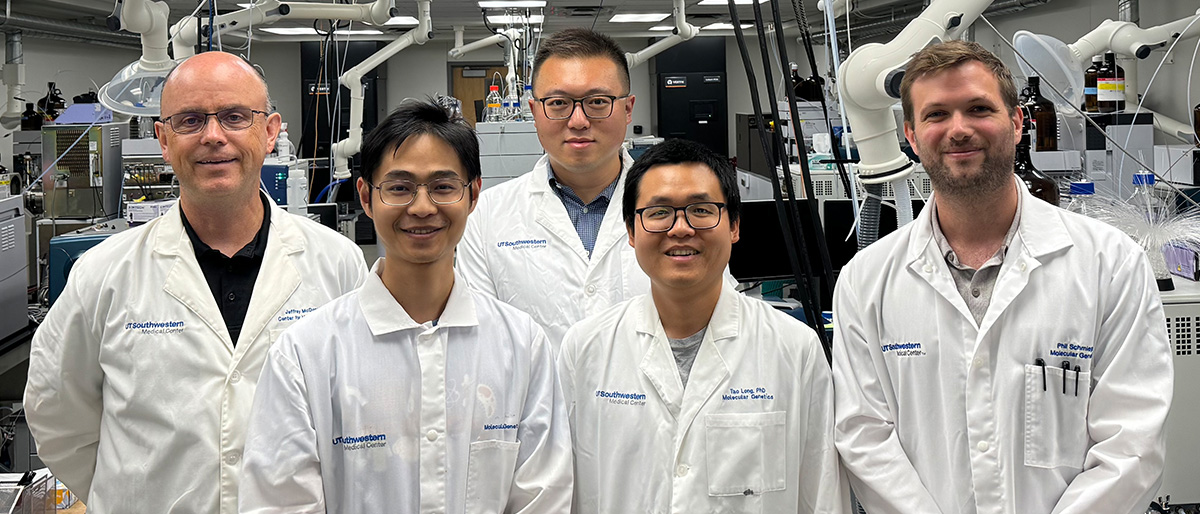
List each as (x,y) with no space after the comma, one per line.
(507,150)
(13,262)
(1182,310)
(494,105)
(1083,198)
(68,248)
(1110,84)
(27,493)
(691,92)
(86,181)
(1091,101)
(526,100)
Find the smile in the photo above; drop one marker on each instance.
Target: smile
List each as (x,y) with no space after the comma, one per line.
(420,231)
(683,252)
(215,162)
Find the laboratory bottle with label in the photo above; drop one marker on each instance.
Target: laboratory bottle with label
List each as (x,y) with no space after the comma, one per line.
(1090,101)
(1147,199)
(1110,84)
(492,112)
(1045,119)
(1083,198)
(526,99)
(1039,184)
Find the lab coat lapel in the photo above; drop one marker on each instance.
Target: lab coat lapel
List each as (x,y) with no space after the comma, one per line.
(185,282)
(925,260)
(1032,244)
(277,278)
(709,371)
(612,228)
(551,214)
(658,363)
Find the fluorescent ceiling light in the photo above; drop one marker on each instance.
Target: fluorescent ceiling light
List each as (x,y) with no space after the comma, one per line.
(638,18)
(402,20)
(723,26)
(504,19)
(726,2)
(507,4)
(309,31)
(663,27)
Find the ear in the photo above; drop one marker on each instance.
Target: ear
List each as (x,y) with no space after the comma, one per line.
(1018,118)
(629,109)
(629,230)
(910,134)
(273,123)
(735,231)
(364,196)
(160,132)
(476,188)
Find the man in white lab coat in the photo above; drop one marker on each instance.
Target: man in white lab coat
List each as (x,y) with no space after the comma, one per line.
(695,398)
(998,354)
(142,374)
(414,393)
(550,242)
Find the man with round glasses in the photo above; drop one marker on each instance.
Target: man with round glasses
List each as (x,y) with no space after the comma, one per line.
(556,220)
(142,374)
(429,396)
(726,402)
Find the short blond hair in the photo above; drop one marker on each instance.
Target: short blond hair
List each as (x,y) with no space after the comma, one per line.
(942,56)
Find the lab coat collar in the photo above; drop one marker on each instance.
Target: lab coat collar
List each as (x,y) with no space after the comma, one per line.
(1036,239)
(384,314)
(724,324)
(284,233)
(553,216)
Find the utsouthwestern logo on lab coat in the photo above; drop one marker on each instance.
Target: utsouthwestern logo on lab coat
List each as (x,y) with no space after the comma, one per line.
(521,244)
(911,349)
(361,442)
(619,398)
(156,327)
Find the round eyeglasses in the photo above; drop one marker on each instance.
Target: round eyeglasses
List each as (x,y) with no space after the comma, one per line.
(596,107)
(443,191)
(699,216)
(236,118)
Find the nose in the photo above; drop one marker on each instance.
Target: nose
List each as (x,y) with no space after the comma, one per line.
(578,119)
(422,205)
(680,226)
(212,132)
(960,128)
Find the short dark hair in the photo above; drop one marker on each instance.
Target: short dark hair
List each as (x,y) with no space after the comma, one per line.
(951,54)
(679,151)
(414,118)
(578,43)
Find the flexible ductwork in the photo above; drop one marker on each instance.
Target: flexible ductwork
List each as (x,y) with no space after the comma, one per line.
(895,25)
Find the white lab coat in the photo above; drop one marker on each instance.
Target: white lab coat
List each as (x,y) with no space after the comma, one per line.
(136,397)
(753,431)
(521,248)
(362,410)
(938,414)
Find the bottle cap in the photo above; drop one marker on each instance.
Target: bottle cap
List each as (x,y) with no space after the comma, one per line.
(493,88)
(1083,188)
(1143,178)
(1097,58)
(528,87)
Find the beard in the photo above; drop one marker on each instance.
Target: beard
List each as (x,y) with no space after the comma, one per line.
(993,175)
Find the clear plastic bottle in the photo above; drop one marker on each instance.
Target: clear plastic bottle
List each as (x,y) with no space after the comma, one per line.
(526,99)
(1083,198)
(1147,198)
(283,145)
(492,113)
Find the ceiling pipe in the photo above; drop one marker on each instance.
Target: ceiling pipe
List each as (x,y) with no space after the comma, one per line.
(66,29)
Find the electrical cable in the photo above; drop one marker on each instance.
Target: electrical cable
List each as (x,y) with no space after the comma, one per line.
(212,14)
(597,16)
(789,230)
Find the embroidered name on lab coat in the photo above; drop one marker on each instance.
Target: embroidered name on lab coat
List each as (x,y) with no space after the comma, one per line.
(295,314)
(748,393)
(1072,350)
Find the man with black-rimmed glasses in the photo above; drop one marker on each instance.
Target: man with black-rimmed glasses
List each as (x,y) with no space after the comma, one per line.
(694,397)
(548,242)
(142,374)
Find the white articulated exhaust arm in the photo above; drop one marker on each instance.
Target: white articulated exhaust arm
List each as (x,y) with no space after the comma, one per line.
(683,31)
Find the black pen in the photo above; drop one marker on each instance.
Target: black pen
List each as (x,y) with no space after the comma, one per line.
(1076,380)
(1066,366)
(1042,363)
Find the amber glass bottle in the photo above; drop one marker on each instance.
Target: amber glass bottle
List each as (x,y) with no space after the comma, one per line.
(1045,120)
(1039,184)
(1090,101)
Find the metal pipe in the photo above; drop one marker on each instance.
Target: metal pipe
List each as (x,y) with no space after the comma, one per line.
(14,78)
(894,25)
(64,28)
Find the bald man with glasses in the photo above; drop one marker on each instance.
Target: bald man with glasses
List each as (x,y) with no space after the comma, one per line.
(142,374)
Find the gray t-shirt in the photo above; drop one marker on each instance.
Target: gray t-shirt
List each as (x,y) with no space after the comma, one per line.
(685,353)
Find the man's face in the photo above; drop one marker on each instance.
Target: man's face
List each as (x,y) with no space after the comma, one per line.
(580,144)
(682,259)
(216,162)
(421,232)
(964,134)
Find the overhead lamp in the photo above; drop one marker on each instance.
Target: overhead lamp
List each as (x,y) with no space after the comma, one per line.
(309,31)
(638,18)
(507,19)
(726,2)
(724,26)
(663,27)
(511,4)
(401,20)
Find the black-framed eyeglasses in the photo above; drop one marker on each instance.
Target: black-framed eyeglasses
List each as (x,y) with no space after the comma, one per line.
(699,216)
(235,118)
(443,191)
(596,107)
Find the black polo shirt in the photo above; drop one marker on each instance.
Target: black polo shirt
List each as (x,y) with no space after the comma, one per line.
(231,279)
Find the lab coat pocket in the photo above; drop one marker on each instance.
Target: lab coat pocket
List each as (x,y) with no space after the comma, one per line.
(746,452)
(1056,422)
(490,471)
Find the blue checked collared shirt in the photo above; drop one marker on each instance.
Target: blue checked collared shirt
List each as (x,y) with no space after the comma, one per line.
(586,218)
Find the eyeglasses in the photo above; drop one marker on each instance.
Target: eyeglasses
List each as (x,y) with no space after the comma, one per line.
(442,191)
(699,216)
(596,107)
(236,118)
